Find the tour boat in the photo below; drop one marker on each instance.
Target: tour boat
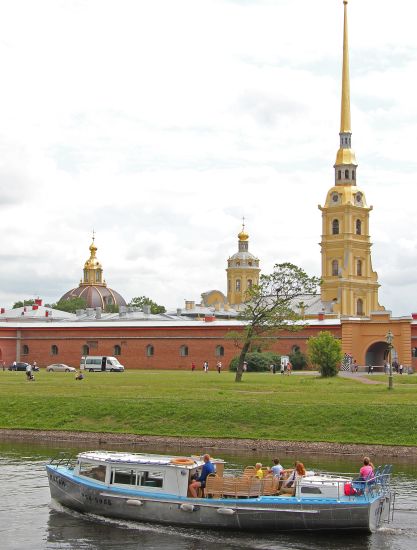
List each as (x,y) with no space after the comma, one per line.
(154,488)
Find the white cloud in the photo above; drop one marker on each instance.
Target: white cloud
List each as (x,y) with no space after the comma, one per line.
(161,123)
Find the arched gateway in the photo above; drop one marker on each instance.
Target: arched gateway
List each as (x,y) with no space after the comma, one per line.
(377,354)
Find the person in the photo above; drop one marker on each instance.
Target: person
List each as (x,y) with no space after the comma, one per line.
(282,368)
(367,470)
(369,369)
(206,366)
(274,369)
(29,374)
(276,469)
(400,368)
(259,472)
(80,376)
(245,366)
(35,366)
(289,368)
(192,366)
(219,367)
(208,468)
(14,365)
(3,364)
(298,472)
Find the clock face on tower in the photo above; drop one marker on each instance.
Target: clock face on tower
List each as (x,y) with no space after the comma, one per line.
(335,197)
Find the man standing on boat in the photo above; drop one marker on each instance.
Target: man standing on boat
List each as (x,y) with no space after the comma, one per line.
(207,469)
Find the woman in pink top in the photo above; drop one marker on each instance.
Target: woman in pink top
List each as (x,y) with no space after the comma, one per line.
(367,470)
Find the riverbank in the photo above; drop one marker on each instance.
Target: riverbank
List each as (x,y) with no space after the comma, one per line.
(206,443)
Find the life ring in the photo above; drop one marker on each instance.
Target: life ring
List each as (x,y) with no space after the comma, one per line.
(182,461)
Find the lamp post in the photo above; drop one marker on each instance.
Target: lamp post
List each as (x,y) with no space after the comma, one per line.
(389,338)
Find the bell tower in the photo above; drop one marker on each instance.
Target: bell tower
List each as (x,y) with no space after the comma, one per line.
(349,282)
(242,270)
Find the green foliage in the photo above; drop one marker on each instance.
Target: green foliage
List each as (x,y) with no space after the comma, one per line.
(298,360)
(141,301)
(23,303)
(325,352)
(257,362)
(270,306)
(111,308)
(71,305)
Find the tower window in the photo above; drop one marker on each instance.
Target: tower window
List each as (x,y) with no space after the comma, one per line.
(238,285)
(184,351)
(339,174)
(249,283)
(359,307)
(54,350)
(347,174)
(150,350)
(219,351)
(335,268)
(358,227)
(335,227)
(85,276)
(117,350)
(359,268)
(353,174)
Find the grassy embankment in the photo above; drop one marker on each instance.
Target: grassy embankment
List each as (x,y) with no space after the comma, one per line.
(263,406)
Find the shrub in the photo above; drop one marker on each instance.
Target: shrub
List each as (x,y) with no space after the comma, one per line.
(298,360)
(257,362)
(325,351)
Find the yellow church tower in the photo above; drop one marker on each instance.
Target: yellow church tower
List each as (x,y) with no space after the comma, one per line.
(350,286)
(242,271)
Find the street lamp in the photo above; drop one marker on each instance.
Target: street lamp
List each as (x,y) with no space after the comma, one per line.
(389,338)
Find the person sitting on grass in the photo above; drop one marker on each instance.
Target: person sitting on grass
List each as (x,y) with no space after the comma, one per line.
(80,376)
(207,469)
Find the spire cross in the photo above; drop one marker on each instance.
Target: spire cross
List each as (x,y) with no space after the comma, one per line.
(94,234)
(243,223)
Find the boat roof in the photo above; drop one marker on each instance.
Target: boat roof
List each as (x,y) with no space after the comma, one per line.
(140,458)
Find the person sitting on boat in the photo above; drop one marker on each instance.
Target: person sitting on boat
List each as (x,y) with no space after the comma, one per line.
(207,469)
(276,469)
(367,470)
(298,473)
(259,472)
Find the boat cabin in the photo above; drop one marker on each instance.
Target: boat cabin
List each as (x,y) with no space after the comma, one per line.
(318,486)
(144,472)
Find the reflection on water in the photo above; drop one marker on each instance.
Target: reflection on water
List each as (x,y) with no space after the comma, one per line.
(29,520)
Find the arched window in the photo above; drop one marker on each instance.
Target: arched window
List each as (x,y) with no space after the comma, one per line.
(85,350)
(335,268)
(358,227)
(347,174)
(414,352)
(359,307)
(54,350)
(117,350)
(295,349)
(25,350)
(359,268)
(249,283)
(85,276)
(184,351)
(339,174)
(219,351)
(335,227)
(150,350)
(238,285)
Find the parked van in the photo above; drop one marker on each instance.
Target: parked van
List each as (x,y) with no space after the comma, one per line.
(98,363)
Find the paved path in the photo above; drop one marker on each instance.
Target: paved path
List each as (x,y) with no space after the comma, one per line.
(358,377)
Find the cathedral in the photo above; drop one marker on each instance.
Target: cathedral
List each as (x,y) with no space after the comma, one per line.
(347,306)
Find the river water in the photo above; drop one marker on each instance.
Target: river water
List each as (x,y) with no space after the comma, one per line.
(29,520)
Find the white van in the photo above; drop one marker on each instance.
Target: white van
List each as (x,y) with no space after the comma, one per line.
(98,363)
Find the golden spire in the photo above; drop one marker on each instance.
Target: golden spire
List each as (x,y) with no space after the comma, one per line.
(345,111)
(243,236)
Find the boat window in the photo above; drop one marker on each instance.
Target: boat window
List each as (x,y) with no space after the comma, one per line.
(151,479)
(311,490)
(124,477)
(93,470)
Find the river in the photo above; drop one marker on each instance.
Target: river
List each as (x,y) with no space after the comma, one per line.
(29,520)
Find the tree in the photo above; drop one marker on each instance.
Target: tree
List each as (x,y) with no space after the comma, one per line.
(23,303)
(325,351)
(145,301)
(270,306)
(298,360)
(71,305)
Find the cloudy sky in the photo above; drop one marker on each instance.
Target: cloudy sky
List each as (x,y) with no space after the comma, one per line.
(161,123)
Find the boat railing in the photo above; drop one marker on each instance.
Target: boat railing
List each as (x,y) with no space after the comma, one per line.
(63,459)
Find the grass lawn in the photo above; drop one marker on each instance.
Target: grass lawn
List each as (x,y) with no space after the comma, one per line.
(264,406)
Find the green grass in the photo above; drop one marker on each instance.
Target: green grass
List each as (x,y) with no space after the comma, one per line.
(297,408)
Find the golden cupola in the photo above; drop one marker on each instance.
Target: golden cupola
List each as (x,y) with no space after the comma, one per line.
(93,288)
(349,284)
(242,270)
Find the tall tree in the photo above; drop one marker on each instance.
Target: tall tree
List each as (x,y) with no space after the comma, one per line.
(325,351)
(141,301)
(270,306)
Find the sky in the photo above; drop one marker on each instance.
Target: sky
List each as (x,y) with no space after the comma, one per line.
(160,124)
